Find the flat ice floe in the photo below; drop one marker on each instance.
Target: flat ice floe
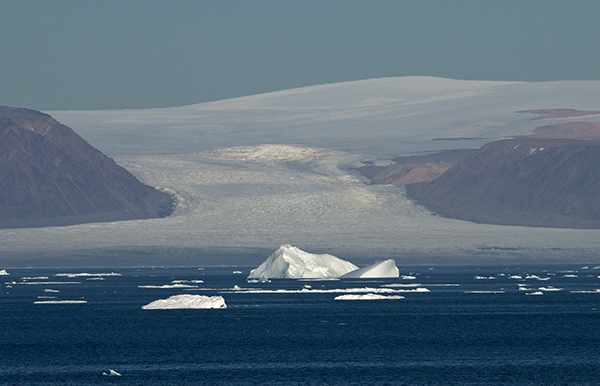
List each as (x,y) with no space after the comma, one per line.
(186,301)
(84,274)
(60,302)
(168,286)
(368,296)
(329,291)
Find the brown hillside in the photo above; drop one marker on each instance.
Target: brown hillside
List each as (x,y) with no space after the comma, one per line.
(51,176)
(530,181)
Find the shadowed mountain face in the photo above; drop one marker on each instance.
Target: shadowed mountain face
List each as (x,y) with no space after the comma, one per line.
(530,181)
(51,176)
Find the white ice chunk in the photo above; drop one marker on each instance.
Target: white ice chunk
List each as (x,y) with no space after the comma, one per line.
(187,301)
(168,286)
(3,272)
(380,269)
(289,262)
(60,302)
(368,297)
(111,373)
(549,289)
(84,274)
(535,293)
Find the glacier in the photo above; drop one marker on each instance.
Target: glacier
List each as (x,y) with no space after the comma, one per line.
(187,301)
(379,269)
(289,262)
(253,172)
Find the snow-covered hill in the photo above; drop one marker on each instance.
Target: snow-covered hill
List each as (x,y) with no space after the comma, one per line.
(263,170)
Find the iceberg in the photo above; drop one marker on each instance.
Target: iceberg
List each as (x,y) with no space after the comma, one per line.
(289,262)
(187,301)
(380,269)
(3,272)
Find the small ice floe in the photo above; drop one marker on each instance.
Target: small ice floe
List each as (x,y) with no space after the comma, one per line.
(550,289)
(408,277)
(111,373)
(596,291)
(85,274)
(168,286)
(60,302)
(3,272)
(187,301)
(187,281)
(237,272)
(334,290)
(535,293)
(50,290)
(570,275)
(260,280)
(484,278)
(368,296)
(517,277)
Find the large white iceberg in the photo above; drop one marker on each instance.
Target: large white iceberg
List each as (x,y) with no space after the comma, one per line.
(3,272)
(289,262)
(187,301)
(380,269)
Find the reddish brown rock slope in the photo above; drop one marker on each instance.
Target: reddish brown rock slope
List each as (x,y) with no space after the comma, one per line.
(530,181)
(51,176)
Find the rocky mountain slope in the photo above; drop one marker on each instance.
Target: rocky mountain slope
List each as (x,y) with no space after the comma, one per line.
(51,176)
(550,179)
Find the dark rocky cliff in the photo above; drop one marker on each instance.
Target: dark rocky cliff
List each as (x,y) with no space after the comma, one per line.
(51,176)
(529,181)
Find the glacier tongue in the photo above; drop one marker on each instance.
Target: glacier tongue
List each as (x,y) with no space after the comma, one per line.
(379,269)
(289,262)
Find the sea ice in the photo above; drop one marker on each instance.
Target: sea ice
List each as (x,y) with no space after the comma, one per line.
(111,373)
(187,301)
(289,262)
(168,286)
(368,297)
(60,302)
(380,269)
(3,272)
(535,293)
(84,274)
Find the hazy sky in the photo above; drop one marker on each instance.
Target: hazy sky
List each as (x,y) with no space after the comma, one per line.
(107,54)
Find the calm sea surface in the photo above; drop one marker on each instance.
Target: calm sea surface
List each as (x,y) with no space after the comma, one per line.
(474,326)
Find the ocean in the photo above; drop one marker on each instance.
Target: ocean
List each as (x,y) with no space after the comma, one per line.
(455,325)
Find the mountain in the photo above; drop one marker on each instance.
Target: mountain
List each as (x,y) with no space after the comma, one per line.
(51,176)
(549,179)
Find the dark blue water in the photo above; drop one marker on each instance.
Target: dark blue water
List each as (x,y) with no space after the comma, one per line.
(465,331)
